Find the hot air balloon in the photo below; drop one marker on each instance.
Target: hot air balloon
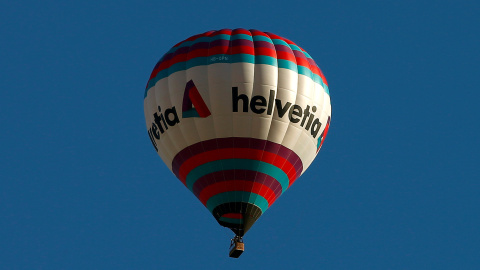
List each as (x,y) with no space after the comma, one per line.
(237,116)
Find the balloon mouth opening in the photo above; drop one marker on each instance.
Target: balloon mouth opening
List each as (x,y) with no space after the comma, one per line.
(235,218)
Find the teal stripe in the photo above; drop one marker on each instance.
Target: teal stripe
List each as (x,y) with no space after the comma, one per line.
(305,71)
(231,196)
(177,67)
(162,74)
(190,113)
(237,58)
(231,220)
(197,61)
(277,41)
(240,164)
(262,38)
(307,55)
(267,60)
(326,89)
(188,44)
(242,36)
(282,63)
(246,58)
(191,42)
(221,36)
(295,47)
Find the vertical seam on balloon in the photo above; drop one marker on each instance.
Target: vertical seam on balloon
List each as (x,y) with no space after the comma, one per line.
(190,48)
(152,101)
(298,74)
(243,199)
(323,92)
(298,83)
(276,86)
(290,125)
(230,66)
(185,62)
(164,137)
(253,88)
(168,134)
(239,226)
(186,80)
(273,113)
(320,80)
(206,34)
(210,95)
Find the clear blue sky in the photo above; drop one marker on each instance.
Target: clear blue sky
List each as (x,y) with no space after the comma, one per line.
(396,185)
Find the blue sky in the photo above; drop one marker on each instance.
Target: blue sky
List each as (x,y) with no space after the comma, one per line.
(395,186)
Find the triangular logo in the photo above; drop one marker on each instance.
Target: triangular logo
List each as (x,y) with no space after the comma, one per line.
(193,104)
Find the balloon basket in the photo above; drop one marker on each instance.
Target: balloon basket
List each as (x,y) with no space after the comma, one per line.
(236,247)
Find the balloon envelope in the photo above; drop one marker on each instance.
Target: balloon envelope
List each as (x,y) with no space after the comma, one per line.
(237,115)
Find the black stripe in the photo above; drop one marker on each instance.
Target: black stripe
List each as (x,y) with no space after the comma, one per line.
(249,211)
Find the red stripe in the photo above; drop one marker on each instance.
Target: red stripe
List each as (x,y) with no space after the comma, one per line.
(265,51)
(237,153)
(222,32)
(273,36)
(241,31)
(258,33)
(236,185)
(182,57)
(287,56)
(178,58)
(289,42)
(243,50)
(166,64)
(233,215)
(198,102)
(303,62)
(314,69)
(218,50)
(323,78)
(197,53)
(192,38)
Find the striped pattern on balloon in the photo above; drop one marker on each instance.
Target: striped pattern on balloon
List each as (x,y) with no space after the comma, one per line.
(253,112)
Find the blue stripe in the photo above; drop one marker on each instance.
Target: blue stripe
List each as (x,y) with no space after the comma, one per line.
(240,164)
